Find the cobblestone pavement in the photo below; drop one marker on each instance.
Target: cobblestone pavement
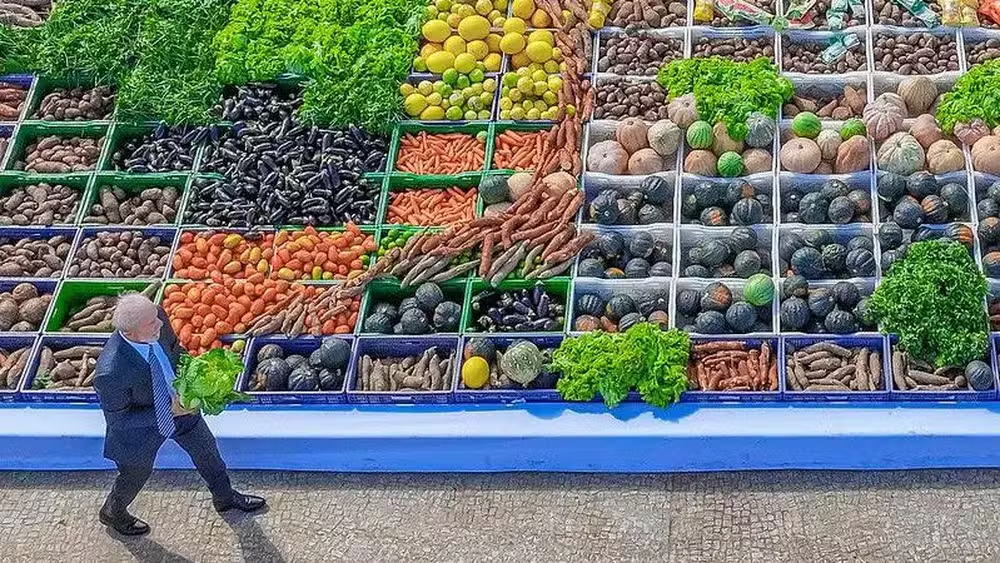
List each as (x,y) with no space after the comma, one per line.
(761,517)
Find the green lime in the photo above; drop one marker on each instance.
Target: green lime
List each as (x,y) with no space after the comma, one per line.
(462,82)
(445,90)
(456,99)
(477,75)
(510,79)
(450,76)
(490,85)
(471,115)
(486,98)
(484,114)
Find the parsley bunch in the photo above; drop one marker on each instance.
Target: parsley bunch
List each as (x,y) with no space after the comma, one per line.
(976,94)
(726,90)
(934,300)
(644,357)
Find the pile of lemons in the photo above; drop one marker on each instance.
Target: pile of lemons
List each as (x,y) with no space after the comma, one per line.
(456,96)
(526,48)
(458,34)
(530,93)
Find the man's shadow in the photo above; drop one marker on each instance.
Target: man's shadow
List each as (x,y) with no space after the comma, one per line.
(254,543)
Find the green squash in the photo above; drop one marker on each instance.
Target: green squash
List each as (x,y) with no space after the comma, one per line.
(806,124)
(522,362)
(759,290)
(762,130)
(730,164)
(699,135)
(852,128)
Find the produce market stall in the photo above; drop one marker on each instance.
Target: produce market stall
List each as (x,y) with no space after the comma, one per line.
(734,211)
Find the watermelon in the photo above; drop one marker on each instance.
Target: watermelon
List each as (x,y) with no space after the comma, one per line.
(730,164)
(699,135)
(807,125)
(759,290)
(853,128)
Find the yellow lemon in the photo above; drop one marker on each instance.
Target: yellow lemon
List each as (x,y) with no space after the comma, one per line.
(493,42)
(436,31)
(474,27)
(595,20)
(603,7)
(405,89)
(440,61)
(512,43)
(520,60)
(515,25)
(524,8)
(500,5)
(455,45)
(538,51)
(496,18)
(430,48)
(453,20)
(466,10)
(414,104)
(492,62)
(432,113)
(484,7)
(478,49)
(541,19)
(475,372)
(543,35)
(465,63)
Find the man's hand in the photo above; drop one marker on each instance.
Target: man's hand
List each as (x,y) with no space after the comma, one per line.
(177,409)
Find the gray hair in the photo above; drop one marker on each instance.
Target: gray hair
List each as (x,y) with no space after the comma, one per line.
(131,311)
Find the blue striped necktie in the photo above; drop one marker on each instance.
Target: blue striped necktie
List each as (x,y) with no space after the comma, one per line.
(161,397)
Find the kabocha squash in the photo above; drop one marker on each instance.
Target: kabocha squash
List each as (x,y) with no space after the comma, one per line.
(852,156)
(604,209)
(743,238)
(821,302)
(428,296)
(944,156)
(759,290)
(925,130)
(986,155)
(883,119)
(961,234)
(730,165)
(700,135)
(834,188)
(988,208)
(890,186)
(840,322)
(918,93)
(378,323)
(700,162)
(989,230)
(979,375)
(682,111)
(761,130)
(788,243)
(611,244)
(590,268)
(806,124)
(618,306)
(971,132)
(747,211)
(688,302)
(817,238)
(794,313)
(481,347)
(494,189)
(586,323)
(645,161)
(722,142)
(860,242)
(935,209)
(628,321)
(711,322)
(614,274)
(853,127)
(901,153)
(447,316)
(841,210)
(607,157)
(716,297)
(637,268)
(808,263)
(590,304)
(957,198)
(650,214)
(908,213)
(737,190)
(862,201)
(746,264)
(631,134)
(861,263)
(664,137)
(756,161)
(656,189)
(814,208)
(800,155)
(713,217)
(846,294)
(641,245)
(712,253)
(834,257)
(890,235)
(796,286)
(828,141)
(741,317)
(921,184)
(661,269)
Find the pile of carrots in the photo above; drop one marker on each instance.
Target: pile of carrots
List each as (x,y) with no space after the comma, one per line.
(449,153)
(432,207)
(215,256)
(320,255)
(517,150)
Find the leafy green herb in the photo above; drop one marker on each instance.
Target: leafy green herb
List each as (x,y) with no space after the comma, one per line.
(976,94)
(644,357)
(934,300)
(726,90)
(206,382)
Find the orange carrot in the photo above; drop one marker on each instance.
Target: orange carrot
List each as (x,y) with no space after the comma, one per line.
(517,150)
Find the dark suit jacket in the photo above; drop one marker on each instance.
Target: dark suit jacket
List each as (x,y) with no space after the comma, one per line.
(124,383)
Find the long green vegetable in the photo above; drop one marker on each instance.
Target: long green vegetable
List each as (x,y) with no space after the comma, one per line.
(207,382)
(644,357)
(933,299)
(726,90)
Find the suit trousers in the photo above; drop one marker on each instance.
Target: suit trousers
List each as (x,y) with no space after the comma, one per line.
(197,440)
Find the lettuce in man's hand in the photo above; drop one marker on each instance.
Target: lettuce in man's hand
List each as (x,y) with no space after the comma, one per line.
(207,382)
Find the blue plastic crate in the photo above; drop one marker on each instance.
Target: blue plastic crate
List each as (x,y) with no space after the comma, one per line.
(942,396)
(464,395)
(51,396)
(388,346)
(44,286)
(696,396)
(303,346)
(13,234)
(871,342)
(11,343)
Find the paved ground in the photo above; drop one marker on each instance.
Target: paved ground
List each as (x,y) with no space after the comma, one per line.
(761,517)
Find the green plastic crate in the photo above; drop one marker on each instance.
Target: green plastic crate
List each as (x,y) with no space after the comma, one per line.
(77,182)
(29,131)
(558,288)
(388,290)
(469,128)
(44,85)
(133,184)
(72,294)
(412,182)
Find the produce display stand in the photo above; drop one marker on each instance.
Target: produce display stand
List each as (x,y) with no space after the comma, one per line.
(459,429)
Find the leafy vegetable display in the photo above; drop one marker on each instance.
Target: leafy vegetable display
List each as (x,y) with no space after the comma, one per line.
(976,94)
(644,357)
(354,53)
(933,299)
(206,382)
(726,90)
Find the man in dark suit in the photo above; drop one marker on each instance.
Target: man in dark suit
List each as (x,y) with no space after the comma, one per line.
(134,382)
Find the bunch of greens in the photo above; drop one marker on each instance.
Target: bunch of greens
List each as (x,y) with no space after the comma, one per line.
(976,94)
(644,358)
(727,91)
(206,382)
(354,53)
(933,299)
(157,52)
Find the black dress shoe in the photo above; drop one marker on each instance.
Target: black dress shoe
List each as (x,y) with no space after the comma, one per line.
(240,501)
(126,524)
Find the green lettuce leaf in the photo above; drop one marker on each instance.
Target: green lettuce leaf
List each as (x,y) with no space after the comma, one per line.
(207,382)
